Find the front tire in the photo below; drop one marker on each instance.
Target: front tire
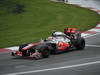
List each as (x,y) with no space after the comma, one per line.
(45,51)
(12,54)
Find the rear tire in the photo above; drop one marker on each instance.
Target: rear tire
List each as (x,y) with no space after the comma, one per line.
(80,43)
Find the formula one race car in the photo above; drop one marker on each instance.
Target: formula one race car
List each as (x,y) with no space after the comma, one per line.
(58,42)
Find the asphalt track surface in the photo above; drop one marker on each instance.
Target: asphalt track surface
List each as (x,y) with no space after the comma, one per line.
(78,62)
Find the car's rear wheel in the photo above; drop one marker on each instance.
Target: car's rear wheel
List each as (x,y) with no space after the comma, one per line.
(79,43)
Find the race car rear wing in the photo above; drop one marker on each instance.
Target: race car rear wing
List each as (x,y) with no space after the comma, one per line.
(72,31)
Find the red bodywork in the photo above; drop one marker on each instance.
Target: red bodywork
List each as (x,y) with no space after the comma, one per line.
(63,46)
(19,53)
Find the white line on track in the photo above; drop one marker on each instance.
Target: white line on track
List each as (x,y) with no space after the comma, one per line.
(57,68)
(93,45)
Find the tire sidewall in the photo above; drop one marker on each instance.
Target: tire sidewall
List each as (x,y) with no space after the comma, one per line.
(80,43)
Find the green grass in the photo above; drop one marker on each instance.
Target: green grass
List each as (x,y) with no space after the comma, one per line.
(39,19)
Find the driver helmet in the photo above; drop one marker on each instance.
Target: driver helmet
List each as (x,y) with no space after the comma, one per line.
(58,34)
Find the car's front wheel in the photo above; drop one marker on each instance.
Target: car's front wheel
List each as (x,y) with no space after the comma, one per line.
(45,51)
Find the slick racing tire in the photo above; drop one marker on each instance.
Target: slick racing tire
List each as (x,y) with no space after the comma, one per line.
(45,51)
(79,43)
